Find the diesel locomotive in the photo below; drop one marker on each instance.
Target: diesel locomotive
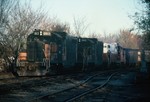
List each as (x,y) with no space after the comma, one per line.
(56,52)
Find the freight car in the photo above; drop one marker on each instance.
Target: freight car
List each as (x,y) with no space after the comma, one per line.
(115,55)
(131,57)
(56,52)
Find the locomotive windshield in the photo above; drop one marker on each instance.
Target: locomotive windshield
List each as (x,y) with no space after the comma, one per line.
(36,33)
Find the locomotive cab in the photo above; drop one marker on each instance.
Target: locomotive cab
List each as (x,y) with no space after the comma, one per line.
(111,54)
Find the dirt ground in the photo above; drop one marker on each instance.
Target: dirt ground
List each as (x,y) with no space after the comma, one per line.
(5,75)
(127,89)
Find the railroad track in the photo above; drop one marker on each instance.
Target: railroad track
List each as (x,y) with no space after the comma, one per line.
(91,90)
(45,88)
(25,88)
(77,91)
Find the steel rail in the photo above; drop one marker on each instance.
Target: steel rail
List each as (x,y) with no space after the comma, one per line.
(77,85)
(91,90)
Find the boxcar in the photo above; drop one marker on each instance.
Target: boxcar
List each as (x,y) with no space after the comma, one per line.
(131,56)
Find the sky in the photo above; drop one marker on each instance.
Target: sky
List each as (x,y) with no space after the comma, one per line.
(102,16)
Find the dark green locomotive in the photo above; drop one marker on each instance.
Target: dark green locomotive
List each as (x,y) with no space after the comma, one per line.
(56,52)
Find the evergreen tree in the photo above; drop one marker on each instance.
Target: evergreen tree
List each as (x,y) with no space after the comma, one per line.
(143,23)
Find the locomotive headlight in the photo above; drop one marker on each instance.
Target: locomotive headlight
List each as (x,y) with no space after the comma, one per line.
(40,32)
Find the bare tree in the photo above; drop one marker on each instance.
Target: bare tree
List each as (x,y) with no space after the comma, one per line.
(128,39)
(21,21)
(61,27)
(80,26)
(94,35)
(53,24)
(47,23)
(110,38)
(5,9)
